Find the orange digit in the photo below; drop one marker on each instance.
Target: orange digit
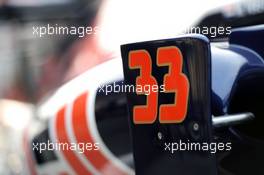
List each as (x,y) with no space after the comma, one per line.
(174,81)
(141,59)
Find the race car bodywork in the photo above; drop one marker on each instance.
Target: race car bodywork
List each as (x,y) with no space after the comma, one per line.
(226,82)
(210,103)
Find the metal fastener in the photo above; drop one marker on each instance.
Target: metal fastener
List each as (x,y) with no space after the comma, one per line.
(195,126)
(160,136)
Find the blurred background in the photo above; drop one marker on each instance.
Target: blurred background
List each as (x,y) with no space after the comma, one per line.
(33,67)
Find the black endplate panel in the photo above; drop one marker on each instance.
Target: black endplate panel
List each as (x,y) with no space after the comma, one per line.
(149,151)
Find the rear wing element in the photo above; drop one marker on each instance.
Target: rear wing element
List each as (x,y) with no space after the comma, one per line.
(171,106)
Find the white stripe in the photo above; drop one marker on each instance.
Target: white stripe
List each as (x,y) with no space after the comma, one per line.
(54,138)
(73,139)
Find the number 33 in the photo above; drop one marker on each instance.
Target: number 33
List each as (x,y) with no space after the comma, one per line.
(174,82)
